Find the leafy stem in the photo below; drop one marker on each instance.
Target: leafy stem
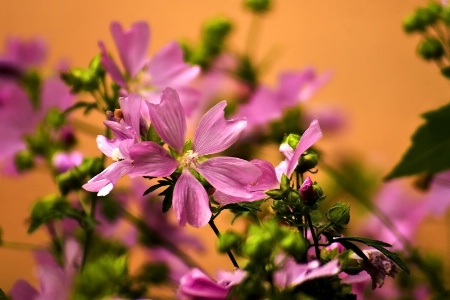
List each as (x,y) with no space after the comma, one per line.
(217,232)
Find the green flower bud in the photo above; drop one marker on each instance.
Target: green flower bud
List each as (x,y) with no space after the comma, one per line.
(258,6)
(430,48)
(293,197)
(68,181)
(295,245)
(259,243)
(55,118)
(285,184)
(24,160)
(47,209)
(292,140)
(247,71)
(307,161)
(228,241)
(339,215)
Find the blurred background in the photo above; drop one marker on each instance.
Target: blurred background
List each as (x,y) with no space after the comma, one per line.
(378,81)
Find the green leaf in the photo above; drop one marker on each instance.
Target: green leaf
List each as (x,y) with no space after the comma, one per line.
(81,104)
(168,195)
(2,295)
(430,146)
(368,242)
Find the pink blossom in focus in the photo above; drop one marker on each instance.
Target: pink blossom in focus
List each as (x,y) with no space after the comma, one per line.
(214,134)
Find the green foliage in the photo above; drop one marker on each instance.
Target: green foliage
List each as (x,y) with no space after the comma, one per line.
(55,207)
(24,160)
(228,241)
(2,295)
(430,146)
(258,6)
(431,48)
(101,278)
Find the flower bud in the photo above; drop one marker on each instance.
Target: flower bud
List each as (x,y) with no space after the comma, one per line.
(24,160)
(430,48)
(310,192)
(445,15)
(285,184)
(55,118)
(258,6)
(339,215)
(307,161)
(292,140)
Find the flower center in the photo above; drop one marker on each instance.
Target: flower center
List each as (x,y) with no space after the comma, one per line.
(189,158)
(116,155)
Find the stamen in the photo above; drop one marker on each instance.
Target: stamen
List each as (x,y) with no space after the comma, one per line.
(189,158)
(116,155)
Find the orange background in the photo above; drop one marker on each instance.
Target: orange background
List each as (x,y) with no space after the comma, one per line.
(378,80)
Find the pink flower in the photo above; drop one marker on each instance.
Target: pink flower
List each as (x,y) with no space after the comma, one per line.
(195,285)
(23,54)
(266,104)
(126,133)
(270,177)
(55,280)
(292,273)
(392,199)
(63,162)
(437,199)
(148,77)
(214,134)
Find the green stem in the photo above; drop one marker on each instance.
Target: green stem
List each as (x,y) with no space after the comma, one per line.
(313,234)
(89,232)
(216,231)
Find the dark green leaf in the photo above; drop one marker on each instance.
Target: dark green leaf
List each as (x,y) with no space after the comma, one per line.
(2,295)
(350,246)
(153,188)
(430,146)
(167,202)
(368,242)
(394,257)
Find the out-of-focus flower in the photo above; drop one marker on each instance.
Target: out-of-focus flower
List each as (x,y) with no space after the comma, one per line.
(266,105)
(21,55)
(63,162)
(291,273)
(378,266)
(437,199)
(392,200)
(55,280)
(196,285)
(148,77)
(214,134)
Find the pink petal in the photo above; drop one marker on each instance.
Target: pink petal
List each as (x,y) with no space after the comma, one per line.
(267,181)
(54,94)
(230,175)
(168,119)
(291,83)
(120,130)
(177,267)
(190,201)
(132,45)
(215,134)
(111,67)
(309,137)
(312,86)
(104,182)
(107,146)
(263,106)
(22,290)
(131,108)
(196,285)
(167,67)
(150,159)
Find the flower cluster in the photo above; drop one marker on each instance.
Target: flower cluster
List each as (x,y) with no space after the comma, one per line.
(189,159)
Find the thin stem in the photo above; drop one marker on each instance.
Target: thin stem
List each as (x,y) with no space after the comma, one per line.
(89,232)
(216,231)
(313,234)
(252,35)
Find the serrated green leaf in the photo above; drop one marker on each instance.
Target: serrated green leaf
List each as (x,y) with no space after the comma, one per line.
(167,202)
(153,188)
(430,146)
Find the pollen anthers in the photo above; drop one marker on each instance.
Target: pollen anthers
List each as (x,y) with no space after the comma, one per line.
(189,158)
(116,155)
